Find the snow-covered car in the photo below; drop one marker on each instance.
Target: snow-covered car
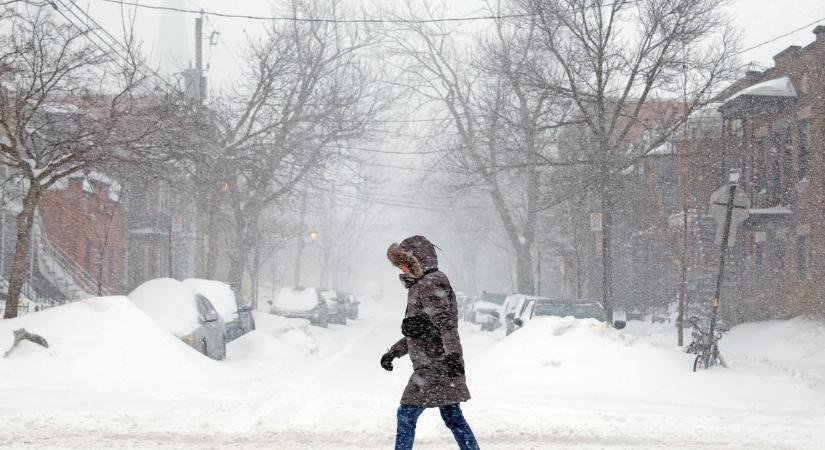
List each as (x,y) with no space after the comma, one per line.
(235,312)
(581,310)
(336,305)
(352,305)
(487,310)
(185,313)
(516,309)
(301,303)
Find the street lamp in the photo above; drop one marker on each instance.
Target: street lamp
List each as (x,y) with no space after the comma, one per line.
(314,235)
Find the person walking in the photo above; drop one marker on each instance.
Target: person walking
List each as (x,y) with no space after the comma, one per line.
(430,329)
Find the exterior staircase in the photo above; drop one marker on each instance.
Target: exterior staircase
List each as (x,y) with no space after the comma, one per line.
(59,269)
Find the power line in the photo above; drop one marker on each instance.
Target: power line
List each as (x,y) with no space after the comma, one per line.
(780,36)
(396,21)
(70,6)
(319,20)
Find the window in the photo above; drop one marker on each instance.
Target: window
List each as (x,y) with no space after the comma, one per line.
(787,167)
(804,148)
(759,252)
(802,256)
(759,258)
(776,174)
(762,157)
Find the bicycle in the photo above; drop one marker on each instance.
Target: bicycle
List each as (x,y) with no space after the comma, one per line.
(705,346)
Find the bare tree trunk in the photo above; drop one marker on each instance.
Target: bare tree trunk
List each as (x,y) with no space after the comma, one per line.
(299,255)
(211,262)
(683,270)
(236,268)
(20,263)
(524,269)
(256,273)
(607,237)
(299,250)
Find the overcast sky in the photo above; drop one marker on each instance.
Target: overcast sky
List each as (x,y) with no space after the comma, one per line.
(170,35)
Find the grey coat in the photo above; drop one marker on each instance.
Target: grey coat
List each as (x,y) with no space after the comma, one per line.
(429,294)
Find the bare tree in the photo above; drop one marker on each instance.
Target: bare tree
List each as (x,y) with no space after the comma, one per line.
(617,57)
(65,105)
(304,92)
(501,125)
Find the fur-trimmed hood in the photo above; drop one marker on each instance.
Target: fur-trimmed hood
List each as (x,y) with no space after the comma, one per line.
(415,252)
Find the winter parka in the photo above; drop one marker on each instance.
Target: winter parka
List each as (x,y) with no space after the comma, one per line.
(430,298)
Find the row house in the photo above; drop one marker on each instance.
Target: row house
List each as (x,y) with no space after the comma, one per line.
(771,126)
(83,225)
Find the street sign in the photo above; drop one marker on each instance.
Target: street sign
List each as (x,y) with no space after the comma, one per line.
(595,221)
(718,210)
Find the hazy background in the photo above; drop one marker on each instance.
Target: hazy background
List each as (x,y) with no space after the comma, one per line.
(168,38)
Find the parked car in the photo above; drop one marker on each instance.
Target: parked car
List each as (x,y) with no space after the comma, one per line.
(516,306)
(302,303)
(337,306)
(487,310)
(581,310)
(352,305)
(185,313)
(235,312)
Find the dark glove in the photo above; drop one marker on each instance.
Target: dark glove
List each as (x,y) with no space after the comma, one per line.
(454,367)
(418,327)
(386,361)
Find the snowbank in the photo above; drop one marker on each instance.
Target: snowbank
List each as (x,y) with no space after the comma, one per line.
(796,346)
(589,359)
(220,294)
(170,303)
(100,344)
(295,300)
(276,339)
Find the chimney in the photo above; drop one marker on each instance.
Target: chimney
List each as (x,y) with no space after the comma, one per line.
(820,34)
(793,50)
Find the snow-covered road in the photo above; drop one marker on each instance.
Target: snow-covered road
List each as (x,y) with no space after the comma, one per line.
(555,384)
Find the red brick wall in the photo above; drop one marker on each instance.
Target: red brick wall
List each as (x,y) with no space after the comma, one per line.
(77,222)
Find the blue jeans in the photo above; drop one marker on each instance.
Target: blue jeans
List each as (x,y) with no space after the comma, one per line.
(453,418)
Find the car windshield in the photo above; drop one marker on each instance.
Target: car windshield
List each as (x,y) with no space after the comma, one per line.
(498,299)
(549,309)
(587,311)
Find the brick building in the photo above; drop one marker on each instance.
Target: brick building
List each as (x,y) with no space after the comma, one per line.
(84,219)
(774,129)
(771,125)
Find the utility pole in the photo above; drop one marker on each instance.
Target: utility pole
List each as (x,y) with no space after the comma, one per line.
(199,58)
(194,93)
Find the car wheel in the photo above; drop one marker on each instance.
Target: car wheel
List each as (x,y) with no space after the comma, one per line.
(204,347)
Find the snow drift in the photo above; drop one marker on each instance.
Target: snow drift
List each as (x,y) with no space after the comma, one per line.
(589,359)
(100,344)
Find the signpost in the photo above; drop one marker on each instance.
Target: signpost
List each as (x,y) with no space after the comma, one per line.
(595,221)
(736,209)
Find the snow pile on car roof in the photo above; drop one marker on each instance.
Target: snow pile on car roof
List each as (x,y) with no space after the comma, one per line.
(219,294)
(586,358)
(296,300)
(170,303)
(102,344)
